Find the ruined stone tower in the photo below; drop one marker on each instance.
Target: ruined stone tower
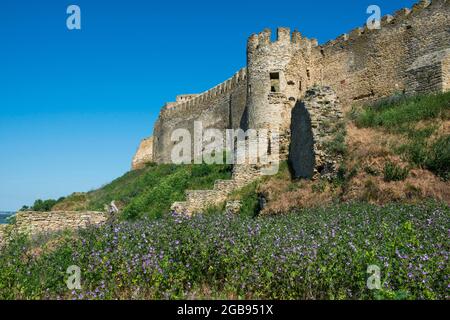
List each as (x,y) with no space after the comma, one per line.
(271,90)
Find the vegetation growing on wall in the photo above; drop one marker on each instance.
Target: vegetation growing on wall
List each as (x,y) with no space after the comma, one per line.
(336,146)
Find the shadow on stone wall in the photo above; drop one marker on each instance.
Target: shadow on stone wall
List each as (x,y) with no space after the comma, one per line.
(301,154)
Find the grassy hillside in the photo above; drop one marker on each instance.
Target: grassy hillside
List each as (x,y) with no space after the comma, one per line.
(397,149)
(149,191)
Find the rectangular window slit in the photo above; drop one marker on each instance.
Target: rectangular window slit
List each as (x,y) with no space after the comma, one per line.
(274,82)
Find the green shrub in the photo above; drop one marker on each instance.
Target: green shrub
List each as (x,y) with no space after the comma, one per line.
(393,172)
(438,160)
(157,200)
(43,205)
(416,152)
(344,175)
(320,186)
(337,145)
(433,156)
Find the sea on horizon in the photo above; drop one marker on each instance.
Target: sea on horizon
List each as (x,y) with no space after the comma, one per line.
(4,215)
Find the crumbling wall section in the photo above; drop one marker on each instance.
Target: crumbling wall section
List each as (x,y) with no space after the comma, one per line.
(30,222)
(143,155)
(33,223)
(199,200)
(317,120)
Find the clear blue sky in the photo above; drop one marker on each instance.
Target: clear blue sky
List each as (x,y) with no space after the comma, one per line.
(75,104)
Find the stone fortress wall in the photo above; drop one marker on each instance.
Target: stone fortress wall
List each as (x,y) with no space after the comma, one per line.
(293,85)
(410,54)
(221,107)
(370,64)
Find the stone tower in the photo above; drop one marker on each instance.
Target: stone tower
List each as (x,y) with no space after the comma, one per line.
(271,91)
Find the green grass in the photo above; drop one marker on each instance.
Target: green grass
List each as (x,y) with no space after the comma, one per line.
(393,172)
(321,253)
(248,196)
(438,159)
(401,114)
(398,114)
(152,190)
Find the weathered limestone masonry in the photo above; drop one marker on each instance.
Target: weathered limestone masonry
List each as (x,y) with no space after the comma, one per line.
(315,121)
(30,222)
(370,64)
(430,73)
(196,200)
(144,154)
(272,90)
(221,108)
(409,54)
(33,223)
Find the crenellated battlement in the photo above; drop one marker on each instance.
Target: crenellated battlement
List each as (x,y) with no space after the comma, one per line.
(263,40)
(190,102)
(185,97)
(420,5)
(398,19)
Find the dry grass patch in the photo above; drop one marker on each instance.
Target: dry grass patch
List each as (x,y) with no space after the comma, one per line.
(419,185)
(302,198)
(370,144)
(370,150)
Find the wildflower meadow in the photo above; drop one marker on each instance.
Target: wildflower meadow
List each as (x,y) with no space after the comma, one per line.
(321,253)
